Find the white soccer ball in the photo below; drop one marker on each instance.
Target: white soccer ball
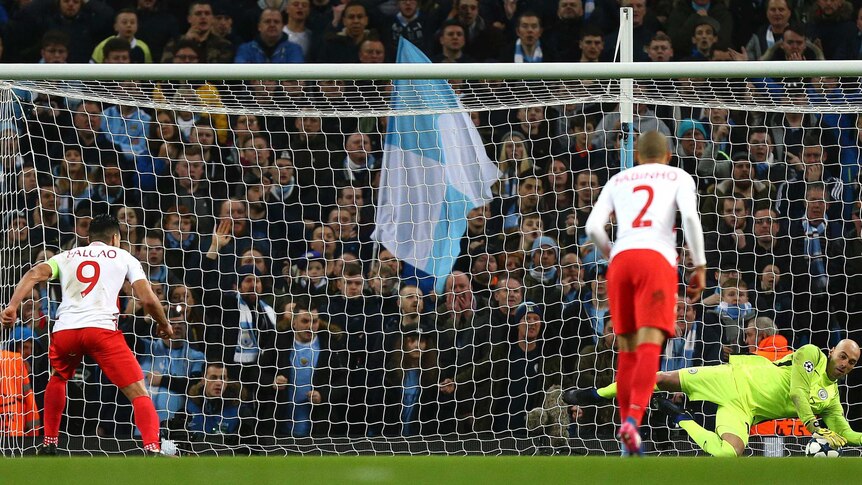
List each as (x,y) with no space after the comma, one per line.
(819,448)
(169,448)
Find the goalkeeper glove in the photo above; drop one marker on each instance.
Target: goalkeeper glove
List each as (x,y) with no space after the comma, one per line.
(819,430)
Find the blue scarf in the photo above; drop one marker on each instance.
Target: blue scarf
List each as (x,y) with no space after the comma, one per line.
(159,276)
(733,318)
(544,275)
(512,217)
(306,283)
(509,180)
(679,351)
(409,401)
(770,37)
(282,192)
(174,243)
(735,312)
(697,7)
(247,347)
(353,170)
(814,251)
(403,20)
(521,57)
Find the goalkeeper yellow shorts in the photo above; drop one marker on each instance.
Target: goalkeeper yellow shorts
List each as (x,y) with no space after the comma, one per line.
(716,384)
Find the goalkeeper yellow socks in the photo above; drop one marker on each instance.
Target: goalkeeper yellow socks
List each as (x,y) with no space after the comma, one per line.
(610,391)
(707,440)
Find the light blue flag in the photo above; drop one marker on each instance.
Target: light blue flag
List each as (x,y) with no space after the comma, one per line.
(435,170)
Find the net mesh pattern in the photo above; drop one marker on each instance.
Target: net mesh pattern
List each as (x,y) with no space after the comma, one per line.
(215,180)
(364,98)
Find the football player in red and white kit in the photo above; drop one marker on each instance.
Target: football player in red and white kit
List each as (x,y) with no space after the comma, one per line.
(642,275)
(91,278)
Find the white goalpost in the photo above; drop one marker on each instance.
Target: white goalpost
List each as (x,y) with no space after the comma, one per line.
(218,172)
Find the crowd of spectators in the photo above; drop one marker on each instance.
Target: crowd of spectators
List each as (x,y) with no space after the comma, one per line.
(256,231)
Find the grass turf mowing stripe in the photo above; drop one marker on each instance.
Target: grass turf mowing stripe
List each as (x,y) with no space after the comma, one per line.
(421,469)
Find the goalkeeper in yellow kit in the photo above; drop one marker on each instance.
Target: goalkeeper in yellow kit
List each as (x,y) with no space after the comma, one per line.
(751,389)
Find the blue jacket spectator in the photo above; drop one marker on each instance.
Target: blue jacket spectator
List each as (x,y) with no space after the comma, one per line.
(213,406)
(309,385)
(271,45)
(169,364)
(127,128)
(412,386)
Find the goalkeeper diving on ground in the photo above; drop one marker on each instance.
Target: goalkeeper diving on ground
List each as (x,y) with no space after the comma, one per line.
(751,389)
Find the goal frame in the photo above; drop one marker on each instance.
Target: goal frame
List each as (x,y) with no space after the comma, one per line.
(555,71)
(501,71)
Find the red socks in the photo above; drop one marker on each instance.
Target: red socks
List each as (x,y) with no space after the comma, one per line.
(146,418)
(642,380)
(625,372)
(55,402)
(147,422)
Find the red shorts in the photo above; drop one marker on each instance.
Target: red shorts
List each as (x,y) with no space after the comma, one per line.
(107,347)
(642,290)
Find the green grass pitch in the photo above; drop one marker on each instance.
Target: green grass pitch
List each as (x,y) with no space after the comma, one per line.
(412,470)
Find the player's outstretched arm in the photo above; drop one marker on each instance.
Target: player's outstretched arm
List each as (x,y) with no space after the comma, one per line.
(37,274)
(834,418)
(144,292)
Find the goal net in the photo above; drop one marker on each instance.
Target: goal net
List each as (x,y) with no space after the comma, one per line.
(253,207)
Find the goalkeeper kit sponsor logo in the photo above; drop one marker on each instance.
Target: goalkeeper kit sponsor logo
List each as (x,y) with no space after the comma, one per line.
(809,366)
(822,394)
(692,370)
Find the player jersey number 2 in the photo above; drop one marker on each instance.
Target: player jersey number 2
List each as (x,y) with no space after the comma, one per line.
(91,280)
(639,220)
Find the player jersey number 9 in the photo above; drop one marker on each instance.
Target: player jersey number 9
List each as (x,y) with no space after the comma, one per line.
(91,280)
